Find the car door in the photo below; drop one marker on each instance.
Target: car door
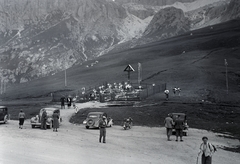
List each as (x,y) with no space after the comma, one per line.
(1,114)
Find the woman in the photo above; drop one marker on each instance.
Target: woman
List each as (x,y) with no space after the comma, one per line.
(55,121)
(21,117)
(207,151)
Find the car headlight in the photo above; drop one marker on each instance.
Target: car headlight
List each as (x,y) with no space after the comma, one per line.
(85,122)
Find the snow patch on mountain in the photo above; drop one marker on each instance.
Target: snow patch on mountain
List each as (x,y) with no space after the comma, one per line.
(133,27)
(193,5)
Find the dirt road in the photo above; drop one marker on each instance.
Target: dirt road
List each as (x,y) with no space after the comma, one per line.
(74,144)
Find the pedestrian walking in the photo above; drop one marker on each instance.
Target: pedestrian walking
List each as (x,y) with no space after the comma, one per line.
(174,90)
(178,91)
(44,120)
(69,101)
(207,150)
(55,117)
(102,126)
(179,123)
(62,99)
(169,125)
(74,101)
(166,94)
(21,117)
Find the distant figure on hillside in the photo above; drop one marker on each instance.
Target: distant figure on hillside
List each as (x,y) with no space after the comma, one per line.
(167,94)
(178,90)
(174,90)
(179,128)
(21,117)
(169,125)
(62,99)
(69,101)
(207,150)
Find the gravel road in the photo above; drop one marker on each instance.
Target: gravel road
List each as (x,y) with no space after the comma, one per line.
(74,144)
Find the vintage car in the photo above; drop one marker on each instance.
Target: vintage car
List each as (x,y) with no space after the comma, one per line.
(3,114)
(182,117)
(36,121)
(93,118)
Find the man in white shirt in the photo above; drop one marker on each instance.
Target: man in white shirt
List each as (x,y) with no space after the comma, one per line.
(207,151)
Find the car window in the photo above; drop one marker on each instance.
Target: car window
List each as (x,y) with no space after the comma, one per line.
(49,112)
(92,116)
(1,110)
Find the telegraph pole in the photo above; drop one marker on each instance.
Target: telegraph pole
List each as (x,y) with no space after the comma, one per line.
(139,73)
(1,86)
(65,77)
(226,65)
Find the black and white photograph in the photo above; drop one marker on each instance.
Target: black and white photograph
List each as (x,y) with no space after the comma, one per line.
(120,81)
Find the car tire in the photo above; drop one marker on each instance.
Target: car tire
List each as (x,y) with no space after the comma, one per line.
(90,122)
(33,126)
(87,127)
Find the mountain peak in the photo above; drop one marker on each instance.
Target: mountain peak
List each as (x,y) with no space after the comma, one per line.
(167,22)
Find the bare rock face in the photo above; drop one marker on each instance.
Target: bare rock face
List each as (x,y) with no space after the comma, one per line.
(43,37)
(167,22)
(233,10)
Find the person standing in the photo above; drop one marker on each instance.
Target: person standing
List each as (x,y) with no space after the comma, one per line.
(74,101)
(21,117)
(179,128)
(69,102)
(207,150)
(166,94)
(62,102)
(44,120)
(169,125)
(102,126)
(55,121)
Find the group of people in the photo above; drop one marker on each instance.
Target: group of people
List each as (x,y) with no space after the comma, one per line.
(178,125)
(176,90)
(69,100)
(44,117)
(206,148)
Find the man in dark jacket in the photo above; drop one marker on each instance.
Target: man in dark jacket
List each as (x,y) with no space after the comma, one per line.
(44,120)
(102,126)
(179,128)
(62,102)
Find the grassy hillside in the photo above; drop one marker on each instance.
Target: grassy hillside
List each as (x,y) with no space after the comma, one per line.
(193,61)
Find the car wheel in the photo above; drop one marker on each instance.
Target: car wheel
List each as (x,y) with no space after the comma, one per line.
(90,122)
(87,127)
(33,126)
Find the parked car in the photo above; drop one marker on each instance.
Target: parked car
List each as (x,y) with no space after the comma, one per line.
(36,121)
(4,114)
(185,125)
(93,118)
